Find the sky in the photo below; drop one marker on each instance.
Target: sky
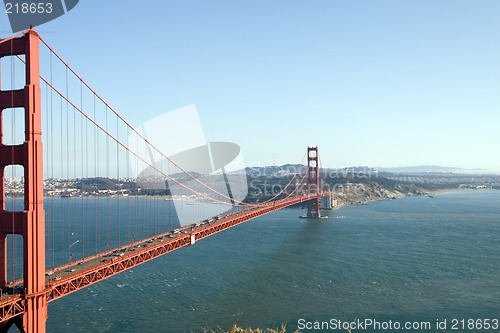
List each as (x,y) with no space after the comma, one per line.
(378,83)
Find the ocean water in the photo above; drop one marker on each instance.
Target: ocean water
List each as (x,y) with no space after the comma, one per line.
(413,259)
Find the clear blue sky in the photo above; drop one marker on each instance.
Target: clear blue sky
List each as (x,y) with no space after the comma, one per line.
(378,83)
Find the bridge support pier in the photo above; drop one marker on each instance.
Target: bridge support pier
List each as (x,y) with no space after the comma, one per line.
(30,223)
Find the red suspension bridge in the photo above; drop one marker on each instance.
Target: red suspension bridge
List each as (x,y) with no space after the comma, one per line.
(85,143)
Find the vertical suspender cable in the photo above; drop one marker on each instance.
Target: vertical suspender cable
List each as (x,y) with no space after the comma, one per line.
(118,183)
(63,232)
(74,216)
(127,172)
(68,207)
(83,178)
(108,180)
(52,130)
(96,158)
(137,184)
(86,177)
(46,146)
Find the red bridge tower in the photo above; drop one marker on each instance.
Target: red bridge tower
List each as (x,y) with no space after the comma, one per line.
(313,182)
(29,223)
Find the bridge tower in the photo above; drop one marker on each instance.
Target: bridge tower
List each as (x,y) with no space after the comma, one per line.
(313,182)
(30,222)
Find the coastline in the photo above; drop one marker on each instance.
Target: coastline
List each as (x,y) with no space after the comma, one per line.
(362,195)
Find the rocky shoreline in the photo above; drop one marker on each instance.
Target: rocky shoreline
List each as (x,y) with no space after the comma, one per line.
(360,194)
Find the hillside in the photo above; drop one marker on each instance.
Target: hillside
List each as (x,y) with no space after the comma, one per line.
(360,184)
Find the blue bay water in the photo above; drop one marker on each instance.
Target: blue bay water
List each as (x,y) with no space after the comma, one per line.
(411,259)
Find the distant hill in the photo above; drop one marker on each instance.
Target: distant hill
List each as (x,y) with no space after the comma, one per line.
(274,171)
(421,168)
(287,169)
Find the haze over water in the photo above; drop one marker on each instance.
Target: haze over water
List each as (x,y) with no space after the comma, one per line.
(411,259)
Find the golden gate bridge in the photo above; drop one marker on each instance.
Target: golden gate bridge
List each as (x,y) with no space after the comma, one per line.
(86,136)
